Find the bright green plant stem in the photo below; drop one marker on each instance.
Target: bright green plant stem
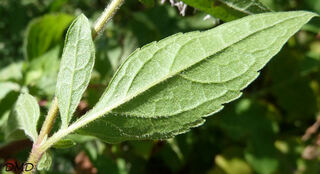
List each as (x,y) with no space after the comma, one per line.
(38,148)
(48,123)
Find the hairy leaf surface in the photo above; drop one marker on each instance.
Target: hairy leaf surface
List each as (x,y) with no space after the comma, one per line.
(228,10)
(76,67)
(168,87)
(25,116)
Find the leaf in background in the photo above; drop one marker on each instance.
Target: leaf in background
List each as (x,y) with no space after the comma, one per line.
(6,104)
(45,161)
(232,166)
(45,33)
(99,157)
(228,10)
(171,159)
(285,73)
(142,148)
(148,3)
(314,5)
(12,72)
(42,72)
(196,22)
(7,87)
(75,68)
(167,87)
(262,157)
(256,129)
(25,116)
(64,144)
(56,5)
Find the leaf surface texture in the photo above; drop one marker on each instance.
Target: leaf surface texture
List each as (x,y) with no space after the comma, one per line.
(170,86)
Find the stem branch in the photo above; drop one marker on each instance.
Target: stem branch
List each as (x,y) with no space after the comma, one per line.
(40,146)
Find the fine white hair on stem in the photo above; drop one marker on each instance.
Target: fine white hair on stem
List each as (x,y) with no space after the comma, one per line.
(106,15)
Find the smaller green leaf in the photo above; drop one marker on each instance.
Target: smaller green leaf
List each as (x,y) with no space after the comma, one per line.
(7,87)
(42,72)
(12,72)
(64,144)
(75,68)
(6,104)
(45,33)
(25,116)
(45,161)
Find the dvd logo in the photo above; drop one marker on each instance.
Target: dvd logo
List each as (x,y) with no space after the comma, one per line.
(14,166)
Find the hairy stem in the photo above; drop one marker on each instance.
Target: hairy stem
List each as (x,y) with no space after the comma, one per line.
(90,116)
(106,16)
(49,121)
(40,146)
(36,151)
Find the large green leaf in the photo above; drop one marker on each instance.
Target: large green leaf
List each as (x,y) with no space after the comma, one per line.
(228,10)
(168,87)
(25,116)
(45,33)
(76,67)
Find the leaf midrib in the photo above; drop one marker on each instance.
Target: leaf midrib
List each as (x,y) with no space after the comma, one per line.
(72,76)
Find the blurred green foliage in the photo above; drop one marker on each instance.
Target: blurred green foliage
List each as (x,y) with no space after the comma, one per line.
(260,133)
